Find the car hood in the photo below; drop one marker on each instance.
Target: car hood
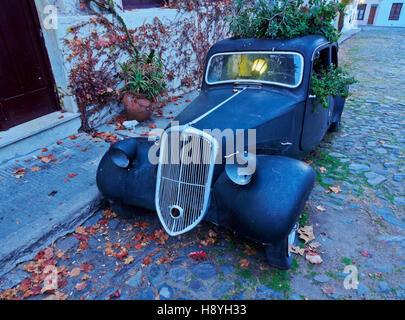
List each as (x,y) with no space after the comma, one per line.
(246,109)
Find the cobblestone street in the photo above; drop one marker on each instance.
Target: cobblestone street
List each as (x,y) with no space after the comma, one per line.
(357,210)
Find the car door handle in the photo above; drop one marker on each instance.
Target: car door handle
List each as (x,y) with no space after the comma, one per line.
(312,96)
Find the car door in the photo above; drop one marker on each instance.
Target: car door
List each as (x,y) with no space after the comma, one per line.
(316,118)
(338,101)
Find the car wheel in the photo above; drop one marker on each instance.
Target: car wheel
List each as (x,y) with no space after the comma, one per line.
(122,210)
(334,126)
(278,254)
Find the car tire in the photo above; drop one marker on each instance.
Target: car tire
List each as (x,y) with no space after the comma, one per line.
(334,126)
(278,254)
(122,210)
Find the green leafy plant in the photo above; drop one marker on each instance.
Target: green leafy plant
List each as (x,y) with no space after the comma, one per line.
(331,82)
(284,19)
(144,75)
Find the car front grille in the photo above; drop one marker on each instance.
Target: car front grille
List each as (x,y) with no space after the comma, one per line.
(186,165)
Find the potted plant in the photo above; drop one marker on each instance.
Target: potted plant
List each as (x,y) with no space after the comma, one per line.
(143,75)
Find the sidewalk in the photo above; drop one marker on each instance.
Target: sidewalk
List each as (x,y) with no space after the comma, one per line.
(348,34)
(46,194)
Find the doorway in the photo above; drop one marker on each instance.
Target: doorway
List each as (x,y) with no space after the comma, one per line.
(371,16)
(27,87)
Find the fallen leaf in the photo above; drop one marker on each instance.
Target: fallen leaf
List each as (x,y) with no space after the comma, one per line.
(365,253)
(74,272)
(109,214)
(72,175)
(244,263)
(19,173)
(47,159)
(122,254)
(56,296)
(314,245)
(198,256)
(80,286)
(129,260)
(87,267)
(316,259)
(297,250)
(116,294)
(146,261)
(327,289)
(59,253)
(335,189)
(35,169)
(249,250)
(81,230)
(322,169)
(86,276)
(320,208)
(306,233)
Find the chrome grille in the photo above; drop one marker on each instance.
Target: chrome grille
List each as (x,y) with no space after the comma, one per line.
(184,178)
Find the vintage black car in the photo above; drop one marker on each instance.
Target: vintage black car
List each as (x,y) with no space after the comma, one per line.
(249,84)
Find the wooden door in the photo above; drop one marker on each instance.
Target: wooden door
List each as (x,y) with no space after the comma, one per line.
(371,15)
(27,89)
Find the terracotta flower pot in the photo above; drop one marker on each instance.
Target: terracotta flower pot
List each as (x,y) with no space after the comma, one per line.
(137,109)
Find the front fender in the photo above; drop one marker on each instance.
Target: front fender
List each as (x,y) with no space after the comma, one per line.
(267,208)
(133,186)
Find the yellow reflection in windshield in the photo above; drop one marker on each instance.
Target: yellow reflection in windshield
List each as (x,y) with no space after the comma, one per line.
(259,65)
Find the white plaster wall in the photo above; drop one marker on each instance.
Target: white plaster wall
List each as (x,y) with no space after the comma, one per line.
(52,43)
(384,13)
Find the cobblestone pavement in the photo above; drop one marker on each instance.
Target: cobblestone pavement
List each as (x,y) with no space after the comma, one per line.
(360,223)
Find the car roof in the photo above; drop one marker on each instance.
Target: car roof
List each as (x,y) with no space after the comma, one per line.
(304,45)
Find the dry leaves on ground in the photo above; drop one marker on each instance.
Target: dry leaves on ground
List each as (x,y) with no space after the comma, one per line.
(249,250)
(320,208)
(297,250)
(19,172)
(129,260)
(244,263)
(314,259)
(306,233)
(74,272)
(109,214)
(335,189)
(80,286)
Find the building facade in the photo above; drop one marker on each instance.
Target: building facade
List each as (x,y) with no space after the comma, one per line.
(381,13)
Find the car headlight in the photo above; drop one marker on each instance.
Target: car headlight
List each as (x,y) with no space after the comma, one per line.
(243,168)
(123,152)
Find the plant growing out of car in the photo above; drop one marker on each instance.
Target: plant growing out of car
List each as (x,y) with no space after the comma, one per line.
(284,19)
(287,19)
(331,82)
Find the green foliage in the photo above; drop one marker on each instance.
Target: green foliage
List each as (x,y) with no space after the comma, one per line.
(284,19)
(332,82)
(144,75)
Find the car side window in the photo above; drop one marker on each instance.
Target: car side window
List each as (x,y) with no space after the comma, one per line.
(321,61)
(334,56)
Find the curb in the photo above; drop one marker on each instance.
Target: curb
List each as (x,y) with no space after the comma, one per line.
(41,236)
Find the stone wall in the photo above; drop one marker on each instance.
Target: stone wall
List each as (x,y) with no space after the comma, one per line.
(70,14)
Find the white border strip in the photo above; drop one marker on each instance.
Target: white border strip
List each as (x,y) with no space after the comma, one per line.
(256,81)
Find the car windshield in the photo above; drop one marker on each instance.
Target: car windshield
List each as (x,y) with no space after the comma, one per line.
(280,68)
